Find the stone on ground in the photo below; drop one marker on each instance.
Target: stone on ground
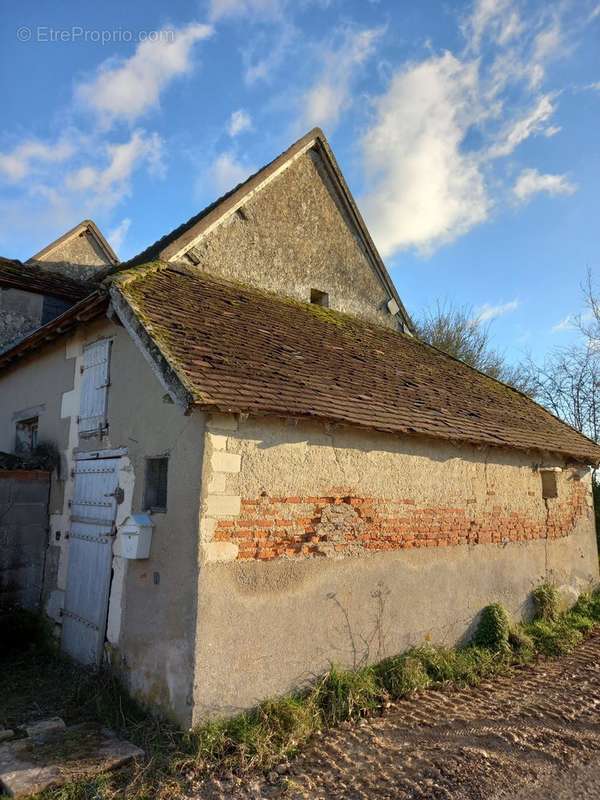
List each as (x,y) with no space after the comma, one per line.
(53,758)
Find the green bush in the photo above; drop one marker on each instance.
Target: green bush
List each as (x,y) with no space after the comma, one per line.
(493,629)
(401,675)
(257,738)
(580,623)
(588,605)
(521,644)
(553,638)
(343,694)
(546,601)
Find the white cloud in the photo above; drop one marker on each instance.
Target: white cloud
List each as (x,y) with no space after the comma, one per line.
(107,185)
(494,18)
(226,172)
(531,182)
(23,159)
(524,127)
(324,102)
(424,189)
(127,89)
(239,122)
(511,28)
(487,312)
(551,130)
(548,43)
(436,133)
(265,53)
(116,236)
(566,324)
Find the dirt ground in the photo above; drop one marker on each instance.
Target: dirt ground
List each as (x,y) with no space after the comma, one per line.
(530,735)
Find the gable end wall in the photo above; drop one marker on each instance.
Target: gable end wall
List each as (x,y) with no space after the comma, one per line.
(293,235)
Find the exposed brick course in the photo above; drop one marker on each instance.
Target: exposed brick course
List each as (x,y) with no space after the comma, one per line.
(304,527)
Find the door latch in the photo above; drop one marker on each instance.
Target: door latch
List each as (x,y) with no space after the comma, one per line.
(118,494)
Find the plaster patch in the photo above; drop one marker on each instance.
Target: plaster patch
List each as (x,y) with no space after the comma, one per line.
(219,551)
(207,528)
(216,484)
(55,604)
(226,462)
(223,505)
(116,601)
(116,604)
(218,441)
(68,404)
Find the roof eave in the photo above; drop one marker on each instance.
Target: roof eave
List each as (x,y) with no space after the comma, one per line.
(150,349)
(580,457)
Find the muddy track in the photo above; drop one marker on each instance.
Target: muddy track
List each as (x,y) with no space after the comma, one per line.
(516,736)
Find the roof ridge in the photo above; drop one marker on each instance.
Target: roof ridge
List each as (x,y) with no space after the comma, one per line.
(214,213)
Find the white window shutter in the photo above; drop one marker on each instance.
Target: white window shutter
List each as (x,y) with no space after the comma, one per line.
(94,386)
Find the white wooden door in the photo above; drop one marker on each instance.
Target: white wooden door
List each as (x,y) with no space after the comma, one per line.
(91,536)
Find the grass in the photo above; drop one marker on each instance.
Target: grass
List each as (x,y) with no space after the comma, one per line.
(42,683)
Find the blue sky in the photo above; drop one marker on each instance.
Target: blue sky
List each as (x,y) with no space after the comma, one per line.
(468,132)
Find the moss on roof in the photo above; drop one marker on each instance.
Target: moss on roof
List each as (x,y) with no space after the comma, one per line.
(240,349)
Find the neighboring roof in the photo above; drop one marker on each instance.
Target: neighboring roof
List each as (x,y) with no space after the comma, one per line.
(169,247)
(35,279)
(87,225)
(91,307)
(236,349)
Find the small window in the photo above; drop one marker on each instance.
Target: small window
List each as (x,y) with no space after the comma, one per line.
(155,494)
(549,484)
(319,298)
(26,435)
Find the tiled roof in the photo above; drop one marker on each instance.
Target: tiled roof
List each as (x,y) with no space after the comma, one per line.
(35,279)
(236,349)
(91,307)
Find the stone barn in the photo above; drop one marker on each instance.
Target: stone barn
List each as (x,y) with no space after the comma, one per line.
(264,471)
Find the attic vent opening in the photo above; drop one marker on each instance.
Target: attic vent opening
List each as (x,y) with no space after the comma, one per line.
(549,483)
(319,298)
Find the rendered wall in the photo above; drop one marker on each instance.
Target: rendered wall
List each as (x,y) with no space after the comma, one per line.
(316,245)
(338,545)
(152,611)
(23,537)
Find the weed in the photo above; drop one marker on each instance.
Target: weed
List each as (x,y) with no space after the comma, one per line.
(494,628)
(553,638)
(521,644)
(588,605)
(401,675)
(546,600)
(343,694)
(259,738)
